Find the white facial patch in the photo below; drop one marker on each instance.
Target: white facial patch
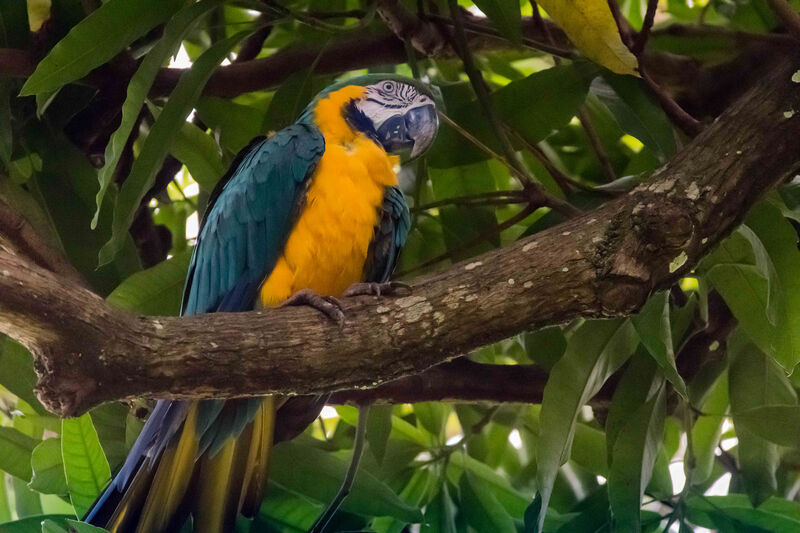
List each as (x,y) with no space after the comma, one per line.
(388,98)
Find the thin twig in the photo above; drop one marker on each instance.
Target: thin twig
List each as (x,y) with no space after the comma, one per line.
(561,178)
(483,94)
(597,144)
(522,215)
(542,196)
(743,37)
(480,29)
(687,123)
(350,476)
(647,25)
(565,182)
(500,197)
(622,23)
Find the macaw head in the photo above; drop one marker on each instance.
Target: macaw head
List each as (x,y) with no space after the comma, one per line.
(396,112)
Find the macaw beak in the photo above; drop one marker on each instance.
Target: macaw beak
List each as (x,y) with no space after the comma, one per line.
(423,124)
(415,130)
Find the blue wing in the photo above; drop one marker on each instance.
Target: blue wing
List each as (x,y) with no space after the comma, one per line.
(249,219)
(390,235)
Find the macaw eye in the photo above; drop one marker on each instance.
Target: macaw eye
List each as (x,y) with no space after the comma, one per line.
(388,86)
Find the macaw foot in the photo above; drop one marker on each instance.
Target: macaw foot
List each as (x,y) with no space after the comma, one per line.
(327,305)
(390,288)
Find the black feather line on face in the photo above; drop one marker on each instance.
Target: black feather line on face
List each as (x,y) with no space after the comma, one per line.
(359,121)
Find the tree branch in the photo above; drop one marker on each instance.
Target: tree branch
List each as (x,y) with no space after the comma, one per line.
(602,264)
(460,380)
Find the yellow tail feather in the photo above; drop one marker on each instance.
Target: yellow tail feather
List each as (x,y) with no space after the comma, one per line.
(172,478)
(258,459)
(234,478)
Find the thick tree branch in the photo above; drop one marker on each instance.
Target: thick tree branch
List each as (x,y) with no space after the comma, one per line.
(602,264)
(461,380)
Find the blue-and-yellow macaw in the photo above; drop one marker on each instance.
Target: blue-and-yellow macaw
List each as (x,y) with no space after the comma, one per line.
(311,210)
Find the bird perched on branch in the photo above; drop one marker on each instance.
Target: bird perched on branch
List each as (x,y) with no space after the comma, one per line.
(311,213)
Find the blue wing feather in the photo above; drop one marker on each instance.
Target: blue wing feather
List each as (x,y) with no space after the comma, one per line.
(244,231)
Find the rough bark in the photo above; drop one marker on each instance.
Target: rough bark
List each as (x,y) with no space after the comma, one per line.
(602,264)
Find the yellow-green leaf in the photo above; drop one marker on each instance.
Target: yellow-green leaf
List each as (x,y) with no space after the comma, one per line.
(591,27)
(38,13)
(85,464)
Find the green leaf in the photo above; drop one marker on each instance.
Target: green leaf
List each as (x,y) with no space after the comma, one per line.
(66,188)
(5,507)
(415,493)
(440,514)
(780,242)
(432,416)
(461,224)
(238,124)
(559,91)
(481,509)
(634,454)
(85,464)
(776,423)
(379,427)
(545,346)
(110,422)
(636,112)
(707,430)
(745,291)
(288,510)
(15,452)
(200,153)
(80,527)
(17,373)
(33,524)
(313,473)
(759,280)
(755,380)
(51,526)
(594,352)
(96,40)
(48,468)
(159,141)
(138,88)
(289,100)
(510,498)
(653,325)
(155,291)
(26,501)
(767,270)
(506,15)
(775,515)
(638,383)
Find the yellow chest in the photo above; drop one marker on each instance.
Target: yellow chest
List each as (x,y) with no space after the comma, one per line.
(327,248)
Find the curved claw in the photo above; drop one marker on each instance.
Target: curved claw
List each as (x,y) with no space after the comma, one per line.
(327,305)
(390,288)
